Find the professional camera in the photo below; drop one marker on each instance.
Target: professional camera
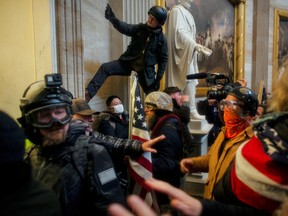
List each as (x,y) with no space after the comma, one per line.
(220,86)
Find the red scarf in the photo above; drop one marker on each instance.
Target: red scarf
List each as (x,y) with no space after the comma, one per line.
(234,124)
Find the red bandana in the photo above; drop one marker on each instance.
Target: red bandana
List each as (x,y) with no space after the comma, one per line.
(234,124)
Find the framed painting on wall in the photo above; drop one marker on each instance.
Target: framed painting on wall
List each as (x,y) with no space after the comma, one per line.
(280,45)
(220,26)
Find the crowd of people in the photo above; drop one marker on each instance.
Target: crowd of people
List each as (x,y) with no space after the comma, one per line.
(77,161)
(255,181)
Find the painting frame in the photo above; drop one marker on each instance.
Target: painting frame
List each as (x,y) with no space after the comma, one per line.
(279,42)
(239,43)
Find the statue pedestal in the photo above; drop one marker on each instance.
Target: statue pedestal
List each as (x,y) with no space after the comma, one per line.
(194,183)
(199,129)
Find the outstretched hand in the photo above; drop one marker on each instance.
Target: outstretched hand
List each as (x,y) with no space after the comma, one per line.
(109,14)
(179,199)
(138,206)
(147,146)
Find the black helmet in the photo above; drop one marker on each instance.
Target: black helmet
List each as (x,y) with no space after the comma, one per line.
(248,97)
(40,96)
(159,13)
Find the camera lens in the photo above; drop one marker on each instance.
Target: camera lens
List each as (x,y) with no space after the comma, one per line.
(217,94)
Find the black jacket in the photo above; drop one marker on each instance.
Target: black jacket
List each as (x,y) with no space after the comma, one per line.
(183,112)
(166,162)
(81,174)
(114,126)
(151,42)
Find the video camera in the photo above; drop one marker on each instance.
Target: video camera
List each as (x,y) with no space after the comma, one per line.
(219,84)
(53,80)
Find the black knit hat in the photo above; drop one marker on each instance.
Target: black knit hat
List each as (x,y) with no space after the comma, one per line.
(12,140)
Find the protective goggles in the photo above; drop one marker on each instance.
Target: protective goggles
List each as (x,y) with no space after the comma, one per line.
(229,104)
(51,115)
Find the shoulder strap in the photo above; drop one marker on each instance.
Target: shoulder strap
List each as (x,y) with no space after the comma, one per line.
(79,154)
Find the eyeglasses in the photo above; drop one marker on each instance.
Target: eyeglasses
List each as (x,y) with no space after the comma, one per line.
(229,104)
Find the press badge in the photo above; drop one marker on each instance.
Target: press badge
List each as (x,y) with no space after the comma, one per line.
(107,176)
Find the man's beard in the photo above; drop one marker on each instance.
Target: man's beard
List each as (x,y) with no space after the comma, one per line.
(150,121)
(55,137)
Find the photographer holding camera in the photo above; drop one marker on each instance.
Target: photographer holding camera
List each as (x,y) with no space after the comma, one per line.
(239,107)
(221,87)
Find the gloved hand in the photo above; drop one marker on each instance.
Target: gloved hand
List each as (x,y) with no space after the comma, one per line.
(109,14)
(156,85)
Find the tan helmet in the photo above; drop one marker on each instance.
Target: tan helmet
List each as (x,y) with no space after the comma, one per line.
(160,100)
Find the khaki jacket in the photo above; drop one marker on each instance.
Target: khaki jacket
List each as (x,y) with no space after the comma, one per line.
(215,163)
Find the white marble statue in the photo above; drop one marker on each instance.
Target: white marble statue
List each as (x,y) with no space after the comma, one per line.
(183,50)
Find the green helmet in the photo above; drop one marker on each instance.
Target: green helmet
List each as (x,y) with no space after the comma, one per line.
(40,96)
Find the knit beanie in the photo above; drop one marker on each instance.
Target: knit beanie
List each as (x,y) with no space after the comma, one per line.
(12,140)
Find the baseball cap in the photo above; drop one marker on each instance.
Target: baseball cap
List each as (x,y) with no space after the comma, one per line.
(81,106)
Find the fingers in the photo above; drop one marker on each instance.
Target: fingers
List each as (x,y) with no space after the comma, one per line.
(184,169)
(159,138)
(118,210)
(189,208)
(146,146)
(185,165)
(180,200)
(139,206)
(165,188)
(150,150)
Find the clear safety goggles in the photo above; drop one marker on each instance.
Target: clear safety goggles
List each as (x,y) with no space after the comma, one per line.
(230,105)
(48,116)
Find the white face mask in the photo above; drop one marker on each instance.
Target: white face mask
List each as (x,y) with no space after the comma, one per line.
(118,109)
